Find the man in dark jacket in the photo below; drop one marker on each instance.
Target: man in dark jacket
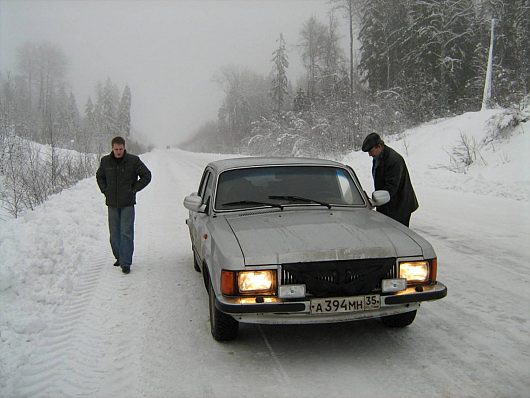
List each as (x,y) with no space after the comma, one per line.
(120,175)
(390,174)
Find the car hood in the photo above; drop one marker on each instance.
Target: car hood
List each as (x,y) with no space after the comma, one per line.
(293,236)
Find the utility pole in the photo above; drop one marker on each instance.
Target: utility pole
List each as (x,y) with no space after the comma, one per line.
(488,84)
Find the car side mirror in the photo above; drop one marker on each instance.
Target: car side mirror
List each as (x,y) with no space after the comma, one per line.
(194,203)
(379,198)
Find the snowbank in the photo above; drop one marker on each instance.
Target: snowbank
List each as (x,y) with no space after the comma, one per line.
(43,253)
(500,167)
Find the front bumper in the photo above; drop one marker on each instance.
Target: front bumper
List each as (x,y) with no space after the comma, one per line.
(276,310)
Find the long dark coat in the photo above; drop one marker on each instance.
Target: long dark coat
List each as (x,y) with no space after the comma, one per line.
(120,179)
(391,174)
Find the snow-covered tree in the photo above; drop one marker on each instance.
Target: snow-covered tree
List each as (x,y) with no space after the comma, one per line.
(124,113)
(301,102)
(351,9)
(512,49)
(383,42)
(443,37)
(42,70)
(333,73)
(423,51)
(246,99)
(109,108)
(312,44)
(279,89)
(90,113)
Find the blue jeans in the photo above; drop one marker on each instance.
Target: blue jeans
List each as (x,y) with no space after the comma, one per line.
(121,228)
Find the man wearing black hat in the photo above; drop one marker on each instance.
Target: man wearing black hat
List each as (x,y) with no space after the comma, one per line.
(390,174)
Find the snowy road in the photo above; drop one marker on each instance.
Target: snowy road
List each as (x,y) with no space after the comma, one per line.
(147,334)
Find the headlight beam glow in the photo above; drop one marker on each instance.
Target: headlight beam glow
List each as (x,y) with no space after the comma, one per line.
(414,271)
(255,281)
(248,283)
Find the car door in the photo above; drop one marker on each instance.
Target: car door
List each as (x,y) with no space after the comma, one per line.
(200,219)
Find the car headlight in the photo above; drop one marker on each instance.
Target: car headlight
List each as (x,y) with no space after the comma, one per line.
(415,271)
(256,282)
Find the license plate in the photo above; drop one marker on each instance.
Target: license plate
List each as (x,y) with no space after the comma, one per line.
(345,304)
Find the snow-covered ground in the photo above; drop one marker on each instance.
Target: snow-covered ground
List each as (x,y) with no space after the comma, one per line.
(71,324)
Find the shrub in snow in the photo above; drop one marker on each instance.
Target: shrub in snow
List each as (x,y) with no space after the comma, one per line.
(464,154)
(503,125)
(32,172)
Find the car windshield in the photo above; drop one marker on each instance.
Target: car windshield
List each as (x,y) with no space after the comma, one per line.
(286,185)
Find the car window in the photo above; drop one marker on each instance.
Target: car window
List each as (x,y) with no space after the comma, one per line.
(208,190)
(205,188)
(286,185)
(204,181)
(349,191)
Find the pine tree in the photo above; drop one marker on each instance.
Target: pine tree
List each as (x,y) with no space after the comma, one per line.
(512,49)
(352,12)
(42,71)
(74,120)
(246,100)
(383,41)
(301,102)
(313,39)
(90,114)
(279,89)
(109,109)
(441,31)
(332,70)
(124,113)
(98,109)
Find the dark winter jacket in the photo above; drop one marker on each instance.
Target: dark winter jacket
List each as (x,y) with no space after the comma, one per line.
(120,179)
(391,174)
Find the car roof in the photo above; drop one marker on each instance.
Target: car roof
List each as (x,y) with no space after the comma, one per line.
(243,162)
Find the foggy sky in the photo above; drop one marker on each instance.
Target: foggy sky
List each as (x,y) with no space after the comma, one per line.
(166,51)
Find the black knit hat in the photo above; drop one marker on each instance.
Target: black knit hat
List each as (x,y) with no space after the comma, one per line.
(370,141)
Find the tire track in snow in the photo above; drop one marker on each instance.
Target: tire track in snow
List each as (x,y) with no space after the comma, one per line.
(41,377)
(159,248)
(84,353)
(481,290)
(173,339)
(284,377)
(101,335)
(168,279)
(483,248)
(180,357)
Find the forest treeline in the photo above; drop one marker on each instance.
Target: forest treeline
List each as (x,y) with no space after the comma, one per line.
(37,103)
(405,62)
(408,61)
(40,121)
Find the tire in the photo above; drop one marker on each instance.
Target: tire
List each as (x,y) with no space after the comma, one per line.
(399,320)
(222,326)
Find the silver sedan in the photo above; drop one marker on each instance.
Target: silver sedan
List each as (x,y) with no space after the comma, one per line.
(295,240)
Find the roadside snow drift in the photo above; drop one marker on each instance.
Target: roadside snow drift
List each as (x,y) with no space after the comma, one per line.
(71,324)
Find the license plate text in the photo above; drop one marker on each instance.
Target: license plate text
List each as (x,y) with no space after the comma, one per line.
(345,304)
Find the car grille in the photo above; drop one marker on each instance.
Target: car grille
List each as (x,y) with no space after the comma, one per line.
(339,278)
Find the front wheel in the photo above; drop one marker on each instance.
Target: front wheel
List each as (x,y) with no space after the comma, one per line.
(223,326)
(399,320)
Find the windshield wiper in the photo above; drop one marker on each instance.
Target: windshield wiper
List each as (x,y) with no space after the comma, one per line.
(252,202)
(301,199)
